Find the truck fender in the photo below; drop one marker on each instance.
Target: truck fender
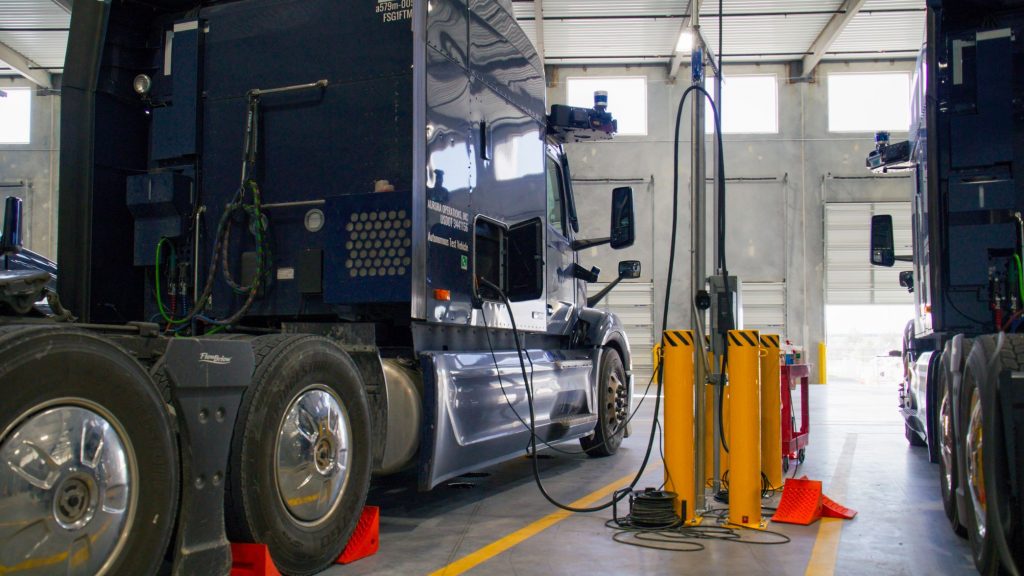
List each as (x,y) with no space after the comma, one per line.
(604,329)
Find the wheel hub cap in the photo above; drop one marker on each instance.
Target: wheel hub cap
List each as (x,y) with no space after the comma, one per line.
(66,491)
(313,455)
(618,405)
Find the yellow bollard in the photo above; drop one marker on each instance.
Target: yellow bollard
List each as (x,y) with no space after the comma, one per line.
(771,410)
(679,432)
(745,429)
(821,364)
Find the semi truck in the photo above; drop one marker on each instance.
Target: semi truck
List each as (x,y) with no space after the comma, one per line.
(301,243)
(963,394)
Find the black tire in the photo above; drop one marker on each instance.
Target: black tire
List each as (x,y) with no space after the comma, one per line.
(990,356)
(47,369)
(912,437)
(949,479)
(935,369)
(286,367)
(613,407)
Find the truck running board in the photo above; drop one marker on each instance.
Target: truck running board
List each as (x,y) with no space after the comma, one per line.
(575,420)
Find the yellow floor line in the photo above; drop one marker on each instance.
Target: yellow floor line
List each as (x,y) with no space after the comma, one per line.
(493,549)
(826,546)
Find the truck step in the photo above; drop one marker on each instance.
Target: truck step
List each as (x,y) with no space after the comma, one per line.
(574,420)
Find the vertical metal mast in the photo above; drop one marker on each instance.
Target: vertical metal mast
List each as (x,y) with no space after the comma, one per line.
(698,252)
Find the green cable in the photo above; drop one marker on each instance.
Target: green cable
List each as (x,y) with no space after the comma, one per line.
(159,299)
(1020,275)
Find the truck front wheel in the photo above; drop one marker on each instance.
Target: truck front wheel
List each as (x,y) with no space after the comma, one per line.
(300,457)
(613,407)
(88,460)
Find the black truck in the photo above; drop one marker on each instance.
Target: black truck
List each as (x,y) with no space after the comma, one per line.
(301,242)
(963,395)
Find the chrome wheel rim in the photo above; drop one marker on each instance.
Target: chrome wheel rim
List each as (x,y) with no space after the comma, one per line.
(67,489)
(975,459)
(618,404)
(313,455)
(946,447)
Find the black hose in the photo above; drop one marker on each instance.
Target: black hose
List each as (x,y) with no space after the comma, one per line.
(533,423)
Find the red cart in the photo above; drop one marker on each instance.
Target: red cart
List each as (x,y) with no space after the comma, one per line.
(794,439)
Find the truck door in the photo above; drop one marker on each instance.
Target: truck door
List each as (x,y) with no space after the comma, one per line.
(561,285)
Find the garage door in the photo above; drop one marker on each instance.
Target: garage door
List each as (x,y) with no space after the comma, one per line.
(849,276)
(764,306)
(633,304)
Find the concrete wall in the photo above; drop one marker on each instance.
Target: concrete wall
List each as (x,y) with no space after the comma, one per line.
(30,170)
(775,222)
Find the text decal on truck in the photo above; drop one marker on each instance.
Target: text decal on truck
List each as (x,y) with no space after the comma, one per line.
(214,359)
(394,10)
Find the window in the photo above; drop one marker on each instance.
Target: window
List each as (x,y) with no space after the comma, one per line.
(627,99)
(750,105)
(15,115)
(869,102)
(555,195)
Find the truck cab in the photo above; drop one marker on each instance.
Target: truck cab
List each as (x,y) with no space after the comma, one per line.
(328,242)
(963,350)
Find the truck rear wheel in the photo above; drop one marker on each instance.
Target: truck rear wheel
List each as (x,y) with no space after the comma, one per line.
(949,479)
(89,475)
(983,462)
(300,459)
(613,407)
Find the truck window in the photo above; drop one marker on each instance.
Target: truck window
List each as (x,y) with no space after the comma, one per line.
(555,211)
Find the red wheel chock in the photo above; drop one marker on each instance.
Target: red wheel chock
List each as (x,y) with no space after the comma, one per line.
(803,503)
(254,559)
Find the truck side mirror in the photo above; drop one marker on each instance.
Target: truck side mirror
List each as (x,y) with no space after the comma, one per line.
(628,270)
(882,251)
(623,231)
(10,241)
(907,280)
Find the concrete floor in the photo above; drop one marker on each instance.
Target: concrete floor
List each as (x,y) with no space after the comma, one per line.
(856,448)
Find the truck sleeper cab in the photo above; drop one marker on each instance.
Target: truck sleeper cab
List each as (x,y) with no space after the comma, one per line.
(963,351)
(340,306)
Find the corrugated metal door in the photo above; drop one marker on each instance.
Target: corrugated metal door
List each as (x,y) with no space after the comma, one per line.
(633,303)
(849,276)
(764,306)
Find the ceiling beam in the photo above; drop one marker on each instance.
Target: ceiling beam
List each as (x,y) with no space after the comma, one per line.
(677,58)
(538,16)
(24,66)
(65,5)
(829,34)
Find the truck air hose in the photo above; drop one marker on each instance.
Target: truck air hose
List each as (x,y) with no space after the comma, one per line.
(258,228)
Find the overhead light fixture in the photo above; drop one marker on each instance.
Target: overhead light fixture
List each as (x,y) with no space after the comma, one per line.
(685,43)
